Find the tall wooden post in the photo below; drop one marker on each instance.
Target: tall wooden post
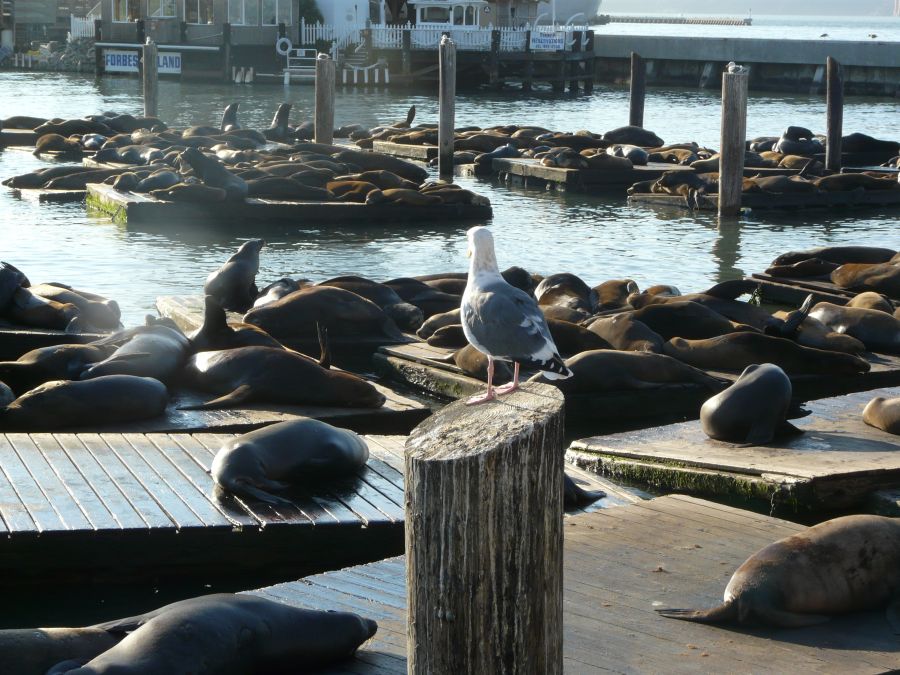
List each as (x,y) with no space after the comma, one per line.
(150,66)
(484,537)
(834,103)
(528,77)
(98,51)
(494,61)
(591,63)
(637,90)
(733,139)
(575,65)
(324,116)
(406,52)
(226,52)
(446,106)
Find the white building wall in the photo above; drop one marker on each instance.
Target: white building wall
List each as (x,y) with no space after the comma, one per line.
(342,12)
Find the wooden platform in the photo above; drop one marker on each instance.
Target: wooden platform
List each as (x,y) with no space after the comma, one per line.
(51,196)
(421,153)
(773,201)
(130,208)
(10,138)
(619,564)
(15,340)
(425,367)
(834,465)
(791,291)
(583,179)
(117,507)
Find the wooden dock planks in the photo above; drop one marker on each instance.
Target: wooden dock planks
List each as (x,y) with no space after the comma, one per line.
(791,291)
(140,209)
(584,179)
(421,153)
(121,506)
(835,464)
(16,340)
(620,563)
(777,201)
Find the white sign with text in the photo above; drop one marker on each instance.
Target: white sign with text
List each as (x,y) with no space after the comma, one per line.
(547,40)
(120,61)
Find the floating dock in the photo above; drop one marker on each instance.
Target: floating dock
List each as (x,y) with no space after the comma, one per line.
(793,291)
(17,138)
(119,507)
(529,171)
(16,340)
(140,209)
(776,201)
(421,153)
(835,464)
(619,564)
(50,196)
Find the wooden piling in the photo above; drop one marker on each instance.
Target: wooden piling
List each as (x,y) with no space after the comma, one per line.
(226,52)
(150,70)
(591,63)
(98,51)
(494,61)
(484,536)
(446,106)
(406,52)
(528,78)
(834,97)
(575,66)
(324,116)
(637,90)
(733,139)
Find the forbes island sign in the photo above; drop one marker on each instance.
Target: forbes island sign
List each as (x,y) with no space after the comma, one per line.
(548,40)
(120,61)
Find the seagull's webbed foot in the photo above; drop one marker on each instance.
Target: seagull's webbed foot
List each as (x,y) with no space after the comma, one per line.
(512,386)
(483,398)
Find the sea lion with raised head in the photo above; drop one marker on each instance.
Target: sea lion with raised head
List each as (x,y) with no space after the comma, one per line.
(241,634)
(274,458)
(216,333)
(280,129)
(229,117)
(61,404)
(267,374)
(233,285)
(753,410)
(843,565)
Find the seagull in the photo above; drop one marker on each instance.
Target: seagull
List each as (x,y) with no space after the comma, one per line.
(503,322)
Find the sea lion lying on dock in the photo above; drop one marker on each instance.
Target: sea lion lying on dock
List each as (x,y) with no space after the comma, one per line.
(880,278)
(155,350)
(842,565)
(626,333)
(278,456)
(872,300)
(883,413)
(405,315)
(839,255)
(56,362)
(878,330)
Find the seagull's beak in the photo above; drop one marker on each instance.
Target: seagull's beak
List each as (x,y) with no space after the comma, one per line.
(468,253)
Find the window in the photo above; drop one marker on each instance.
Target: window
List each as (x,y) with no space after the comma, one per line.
(198,11)
(436,15)
(160,9)
(471,16)
(458,15)
(275,12)
(126,10)
(243,12)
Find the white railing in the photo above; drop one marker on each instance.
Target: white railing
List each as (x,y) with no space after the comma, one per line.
(343,36)
(81,27)
(387,37)
(512,39)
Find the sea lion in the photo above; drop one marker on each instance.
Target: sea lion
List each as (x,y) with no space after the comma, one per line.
(877,330)
(843,182)
(280,129)
(233,285)
(270,375)
(79,180)
(811,267)
(277,187)
(276,457)
(602,370)
(155,350)
(38,178)
(29,309)
(225,633)
(437,321)
(474,364)
(883,413)
(55,362)
(633,135)
(565,289)
(857,142)
(838,254)
(214,174)
(637,156)
(406,123)
(367,161)
(22,122)
(158,180)
(451,336)
(423,296)
(810,332)
(683,318)
(351,190)
(74,126)
(34,651)
(11,278)
(344,313)
(60,404)
(736,351)
(216,333)
(99,312)
(192,193)
(842,565)
(753,410)
(626,333)
(571,339)
(880,277)
(229,117)
(408,317)
(872,300)
(613,294)
(402,196)
(125,182)
(277,290)
(56,143)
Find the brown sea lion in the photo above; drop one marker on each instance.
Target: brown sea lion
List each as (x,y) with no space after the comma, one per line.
(811,267)
(436,322)
(813,333)
(474,364)
(872,300)
(216,333)
(451,337)
(608,370)
(686,319)
(564,313)
(571,338)
(56,362)
(407,317)
(735,351)
(883,413)
(423,296)
(193,193)
(29,309)
(844,182)
(877,330)
(96,310)
(881,278)
(567,290)
(383,180)
(842,565)
(270,375)
(351,190)
(614,293)
(55,143)
(233,285)
(838,254)
(626,333)
(402,196)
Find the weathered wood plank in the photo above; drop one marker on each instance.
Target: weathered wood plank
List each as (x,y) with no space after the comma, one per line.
(585,179)
(416,152)
(834,464)
(29,492)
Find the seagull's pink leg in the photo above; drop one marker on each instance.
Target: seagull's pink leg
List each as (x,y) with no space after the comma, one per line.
(489,395)
(512,386)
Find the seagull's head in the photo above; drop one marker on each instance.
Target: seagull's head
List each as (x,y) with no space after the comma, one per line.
(481,249)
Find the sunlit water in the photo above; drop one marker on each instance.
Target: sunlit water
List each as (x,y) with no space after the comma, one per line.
(595,237)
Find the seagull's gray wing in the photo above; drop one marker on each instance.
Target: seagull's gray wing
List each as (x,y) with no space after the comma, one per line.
(508,324)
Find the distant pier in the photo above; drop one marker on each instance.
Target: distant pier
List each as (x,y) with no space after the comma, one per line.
(699,20)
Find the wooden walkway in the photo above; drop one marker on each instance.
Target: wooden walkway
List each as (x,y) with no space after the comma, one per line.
(777,201)
(619,564)
(429,368)
(147,211)
(120,507)
(421,153)
(834,465)
(582,179)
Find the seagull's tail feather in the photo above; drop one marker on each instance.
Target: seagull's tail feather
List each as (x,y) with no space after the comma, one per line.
(553,369)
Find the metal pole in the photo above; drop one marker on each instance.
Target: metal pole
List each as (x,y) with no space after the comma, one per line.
(733,139)
(446,106)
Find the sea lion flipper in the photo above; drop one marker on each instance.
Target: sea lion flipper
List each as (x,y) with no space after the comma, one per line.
(761,432)
(788,429)
(574,496)
(324,346)
(246,489)
(723,613)
(893,615)
(239,395)
(65,666)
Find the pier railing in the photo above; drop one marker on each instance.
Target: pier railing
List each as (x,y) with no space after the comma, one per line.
(469,39)
(81,27)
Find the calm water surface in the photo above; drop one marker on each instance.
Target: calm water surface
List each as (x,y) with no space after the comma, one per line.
(597,238)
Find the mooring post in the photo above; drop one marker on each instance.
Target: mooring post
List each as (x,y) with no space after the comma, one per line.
(637,90)
(575,66)
(406,52)
(150,69)
(591,62)
(484,537)
(98,51)
(834,98)
(446,106)
(733,139)
(528,77)
(226,53)
(324,117)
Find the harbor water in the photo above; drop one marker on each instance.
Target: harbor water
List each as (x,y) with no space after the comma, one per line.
(595,237)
